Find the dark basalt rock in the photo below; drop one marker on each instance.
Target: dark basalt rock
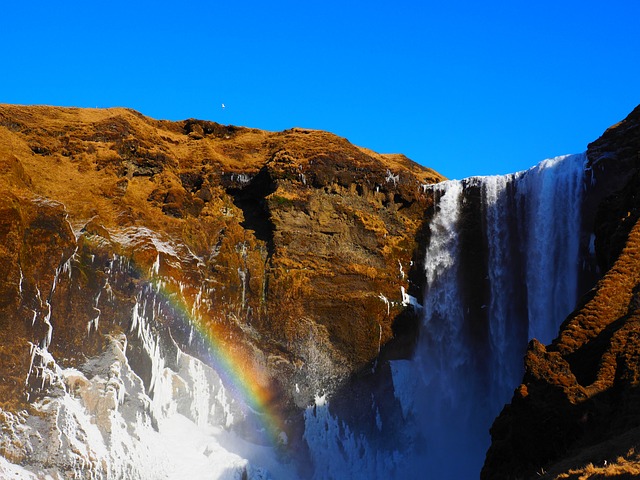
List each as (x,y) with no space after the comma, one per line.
(578,399)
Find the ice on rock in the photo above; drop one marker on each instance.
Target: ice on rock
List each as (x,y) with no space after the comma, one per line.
(409,300)
(100,423)
(9,470)
(242,178)
(20,282)
(338,452)
(404,384)
(132,237)
(386,302)
(100,420)
(391,178)
(458,380)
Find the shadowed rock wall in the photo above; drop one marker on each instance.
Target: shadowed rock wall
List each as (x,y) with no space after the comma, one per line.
(579,396)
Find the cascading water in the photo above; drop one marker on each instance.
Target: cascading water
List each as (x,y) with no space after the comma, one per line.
(550,195)
(501,267)
(481,308)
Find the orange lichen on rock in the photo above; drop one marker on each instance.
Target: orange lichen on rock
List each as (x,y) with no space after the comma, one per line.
(290,232)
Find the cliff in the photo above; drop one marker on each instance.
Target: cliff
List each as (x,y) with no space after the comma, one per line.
(237,279)
(576,413)
(287,251)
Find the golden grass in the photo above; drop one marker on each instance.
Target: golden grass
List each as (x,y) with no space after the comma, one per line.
(117,168)
(627,466)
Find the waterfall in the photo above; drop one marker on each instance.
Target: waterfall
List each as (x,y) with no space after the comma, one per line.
(550,195)
(501,268)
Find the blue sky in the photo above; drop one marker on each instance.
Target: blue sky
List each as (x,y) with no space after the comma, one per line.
(464,87)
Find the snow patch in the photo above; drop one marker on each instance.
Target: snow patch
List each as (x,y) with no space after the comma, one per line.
(409,300)
(391,178)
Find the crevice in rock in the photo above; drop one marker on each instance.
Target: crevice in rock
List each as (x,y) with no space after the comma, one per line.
(251,199)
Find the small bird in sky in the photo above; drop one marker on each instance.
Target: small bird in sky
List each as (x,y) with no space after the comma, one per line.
(223,106)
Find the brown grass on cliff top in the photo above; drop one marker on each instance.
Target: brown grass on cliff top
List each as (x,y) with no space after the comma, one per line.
(242,148)
(618,458)
(623,467)
(80,156)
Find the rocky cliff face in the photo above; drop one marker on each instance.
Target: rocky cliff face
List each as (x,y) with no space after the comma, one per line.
(576,413)
(288,255)
(168,277)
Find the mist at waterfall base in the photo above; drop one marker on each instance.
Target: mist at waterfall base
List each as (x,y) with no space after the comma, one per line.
(501,268)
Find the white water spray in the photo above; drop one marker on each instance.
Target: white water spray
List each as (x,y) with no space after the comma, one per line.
(469,357)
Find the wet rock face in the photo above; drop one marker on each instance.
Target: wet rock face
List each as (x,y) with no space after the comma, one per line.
(614,161)
(579,396)
(276,242)
(36,239)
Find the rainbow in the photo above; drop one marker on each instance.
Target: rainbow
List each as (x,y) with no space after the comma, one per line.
(239,376)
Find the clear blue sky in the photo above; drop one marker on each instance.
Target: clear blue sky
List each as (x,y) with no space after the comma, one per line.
(465,87)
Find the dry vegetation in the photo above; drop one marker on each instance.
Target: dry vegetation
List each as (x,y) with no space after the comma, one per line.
(291,228)
(623,467)
(579,405)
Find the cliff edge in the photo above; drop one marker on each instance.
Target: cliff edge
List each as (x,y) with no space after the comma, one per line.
(576,414)
(289,251)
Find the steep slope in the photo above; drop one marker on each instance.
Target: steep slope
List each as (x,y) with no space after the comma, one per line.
(578,403)
(185,297)
(278,259)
